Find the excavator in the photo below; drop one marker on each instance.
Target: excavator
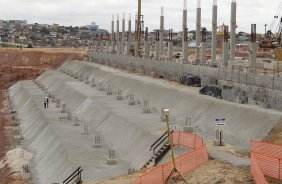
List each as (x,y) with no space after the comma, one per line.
(273,40)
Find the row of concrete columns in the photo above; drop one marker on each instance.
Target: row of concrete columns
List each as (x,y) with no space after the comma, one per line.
(118,43)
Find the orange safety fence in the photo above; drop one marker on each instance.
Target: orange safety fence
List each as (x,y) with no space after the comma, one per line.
(266,159)
(185,163)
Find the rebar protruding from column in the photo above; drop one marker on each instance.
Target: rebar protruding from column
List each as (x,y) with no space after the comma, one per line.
(93,83)
(58,103)
(170,45)
(219,140)
(76,75)
(157,45)
(81,77)
(188,125)
(131,100)
(109,90)
(198,30)
(85,130)
(233,27)
(76,121)
(146,108)
(112,158)
(64,108)
(101,86)
(119,95)
(162,31)
(86,80)
(253,48)
(214,31)
(225,49)
(97,143)
(204,46)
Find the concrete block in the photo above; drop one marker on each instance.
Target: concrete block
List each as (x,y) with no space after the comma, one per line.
(188,129)
(131,100)
(109,90)
(218,143)
(101,86)
(119,95)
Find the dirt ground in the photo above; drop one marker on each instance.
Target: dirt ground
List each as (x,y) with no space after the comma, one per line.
(25,64)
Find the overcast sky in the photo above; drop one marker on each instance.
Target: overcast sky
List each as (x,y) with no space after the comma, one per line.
(83,12)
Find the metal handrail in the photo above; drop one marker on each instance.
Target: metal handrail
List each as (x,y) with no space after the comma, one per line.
(165,134)
(76,173)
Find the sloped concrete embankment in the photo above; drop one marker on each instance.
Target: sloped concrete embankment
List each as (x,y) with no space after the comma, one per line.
(121,131)
(51,162)
(243,122)
(119,127)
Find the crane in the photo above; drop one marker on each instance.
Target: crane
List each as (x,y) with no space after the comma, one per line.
(273,36)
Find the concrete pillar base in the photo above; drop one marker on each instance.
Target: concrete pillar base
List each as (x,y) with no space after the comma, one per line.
(119,97)
(111,161)
(109,92)
(97,146)
(146,110)
(217,143)
(188,129)
(131,103)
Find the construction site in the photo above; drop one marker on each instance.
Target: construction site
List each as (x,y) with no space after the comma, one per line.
(142,111)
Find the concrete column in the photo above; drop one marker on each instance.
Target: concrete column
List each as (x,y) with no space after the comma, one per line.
(123,34)
(184,37)
(157,50)
(185,47)
(214,31)
(198,29)
(253,48)
(225,49)
(162,31)
(157,45)
(253,54)
(170,47)
(136,49)
(146,49)
(113,35)
(203,46)
(117,33)
(129,35)
(107,46)
(233,30)
(146,45)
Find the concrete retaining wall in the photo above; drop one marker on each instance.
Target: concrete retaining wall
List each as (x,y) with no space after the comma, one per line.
(51,161)
(243,122)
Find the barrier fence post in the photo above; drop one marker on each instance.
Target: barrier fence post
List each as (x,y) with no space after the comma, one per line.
(195,141)
(280,168)
(178,137)
(163,174)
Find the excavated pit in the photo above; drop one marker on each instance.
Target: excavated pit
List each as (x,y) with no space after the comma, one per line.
(59,147)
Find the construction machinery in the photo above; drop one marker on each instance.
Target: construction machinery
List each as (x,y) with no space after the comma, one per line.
(273,34)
